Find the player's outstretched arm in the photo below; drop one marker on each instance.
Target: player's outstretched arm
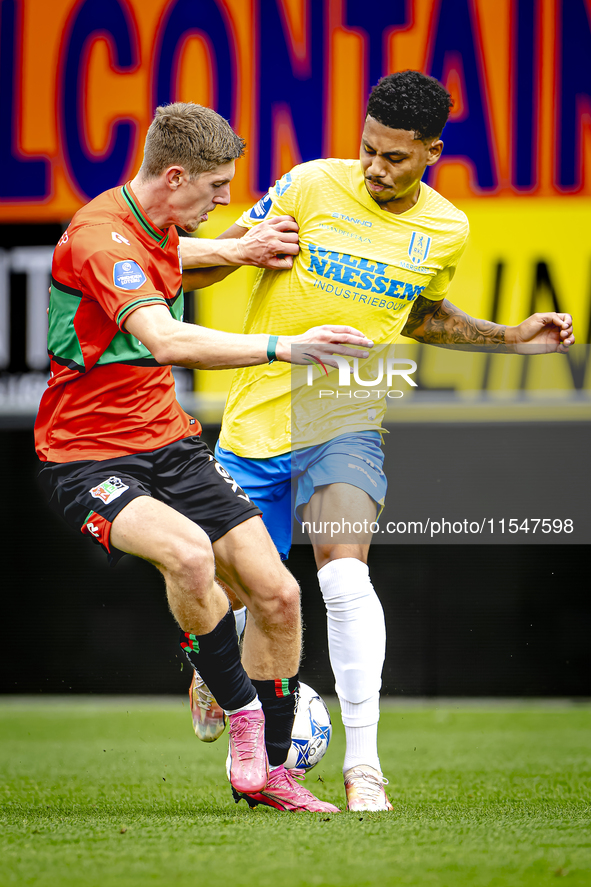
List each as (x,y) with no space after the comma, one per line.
(441,323)
(188,345)
(321,343)
(271,244)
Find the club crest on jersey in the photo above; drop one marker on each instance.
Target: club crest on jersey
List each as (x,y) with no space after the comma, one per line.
(418,248)
(128,275)
(109,489)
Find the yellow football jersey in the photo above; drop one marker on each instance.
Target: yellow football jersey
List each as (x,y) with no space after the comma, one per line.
(358,265)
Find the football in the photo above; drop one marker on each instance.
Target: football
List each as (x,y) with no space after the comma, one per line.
(311,732)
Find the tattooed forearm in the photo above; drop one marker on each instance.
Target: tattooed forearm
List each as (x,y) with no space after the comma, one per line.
(441,323)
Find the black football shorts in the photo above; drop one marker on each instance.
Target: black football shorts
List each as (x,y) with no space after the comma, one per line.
(185,475)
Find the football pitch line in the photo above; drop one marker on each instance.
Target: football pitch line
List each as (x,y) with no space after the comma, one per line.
(117,791)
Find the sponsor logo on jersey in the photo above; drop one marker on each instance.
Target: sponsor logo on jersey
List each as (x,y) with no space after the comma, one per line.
(352,235)
(418,269)
(119,238)
(128,275)
(418,248)
(345,218)
(109,489)
(363,274)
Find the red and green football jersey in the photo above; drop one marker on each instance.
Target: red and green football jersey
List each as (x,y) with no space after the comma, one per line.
(107,395)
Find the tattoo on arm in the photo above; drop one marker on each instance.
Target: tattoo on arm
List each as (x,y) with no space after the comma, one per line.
(441,323)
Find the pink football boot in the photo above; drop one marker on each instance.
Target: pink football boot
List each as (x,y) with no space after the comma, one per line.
(247,765)
(284,793)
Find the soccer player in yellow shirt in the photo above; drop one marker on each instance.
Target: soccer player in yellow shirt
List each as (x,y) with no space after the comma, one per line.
(378,251)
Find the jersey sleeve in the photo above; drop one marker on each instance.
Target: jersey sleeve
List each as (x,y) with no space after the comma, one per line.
(114,274)
(280,200)
(441,282)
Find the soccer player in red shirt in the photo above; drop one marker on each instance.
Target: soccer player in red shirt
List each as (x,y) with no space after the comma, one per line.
(123,463)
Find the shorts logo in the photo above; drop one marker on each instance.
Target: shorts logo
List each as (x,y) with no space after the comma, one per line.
(363,471)
(229,480)
(128,275)
(418,248)
(109,489)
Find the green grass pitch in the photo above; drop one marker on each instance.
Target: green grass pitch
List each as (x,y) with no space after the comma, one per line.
(121,793)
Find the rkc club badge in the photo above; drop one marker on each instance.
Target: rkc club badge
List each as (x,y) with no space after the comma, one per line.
(418,248)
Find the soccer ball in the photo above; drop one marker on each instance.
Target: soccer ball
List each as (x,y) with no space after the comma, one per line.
(311,730)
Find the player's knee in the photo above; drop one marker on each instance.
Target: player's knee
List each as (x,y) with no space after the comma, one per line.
(282,605)
(328,552)
(289,598)
(323,554)
(190,563)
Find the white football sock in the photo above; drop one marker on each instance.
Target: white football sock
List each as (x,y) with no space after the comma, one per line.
(251,706)
(357,646)
(362,747)
(362,742)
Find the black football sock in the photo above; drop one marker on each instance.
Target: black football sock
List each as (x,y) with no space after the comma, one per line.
(278,701)
(216,656)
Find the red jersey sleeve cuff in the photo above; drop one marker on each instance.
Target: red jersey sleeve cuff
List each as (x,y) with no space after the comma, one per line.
(141,302)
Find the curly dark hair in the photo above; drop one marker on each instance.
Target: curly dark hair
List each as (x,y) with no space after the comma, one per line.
(411,100)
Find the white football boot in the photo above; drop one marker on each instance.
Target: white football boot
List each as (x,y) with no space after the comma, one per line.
(365,789)
(209,720)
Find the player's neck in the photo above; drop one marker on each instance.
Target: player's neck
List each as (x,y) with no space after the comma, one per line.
(151,196)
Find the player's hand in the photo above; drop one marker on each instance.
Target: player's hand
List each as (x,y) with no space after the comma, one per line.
(543,333)
(272,244)
(321,342)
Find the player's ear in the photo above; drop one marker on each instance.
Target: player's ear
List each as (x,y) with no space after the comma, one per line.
(173,176)
(434,149)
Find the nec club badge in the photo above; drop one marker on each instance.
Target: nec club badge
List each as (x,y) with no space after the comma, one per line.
(128,275)
(418,248)
(109,489)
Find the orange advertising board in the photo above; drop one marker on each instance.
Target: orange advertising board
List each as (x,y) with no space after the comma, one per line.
(79,82)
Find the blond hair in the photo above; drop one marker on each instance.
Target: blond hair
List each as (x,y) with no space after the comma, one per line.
(191,136)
